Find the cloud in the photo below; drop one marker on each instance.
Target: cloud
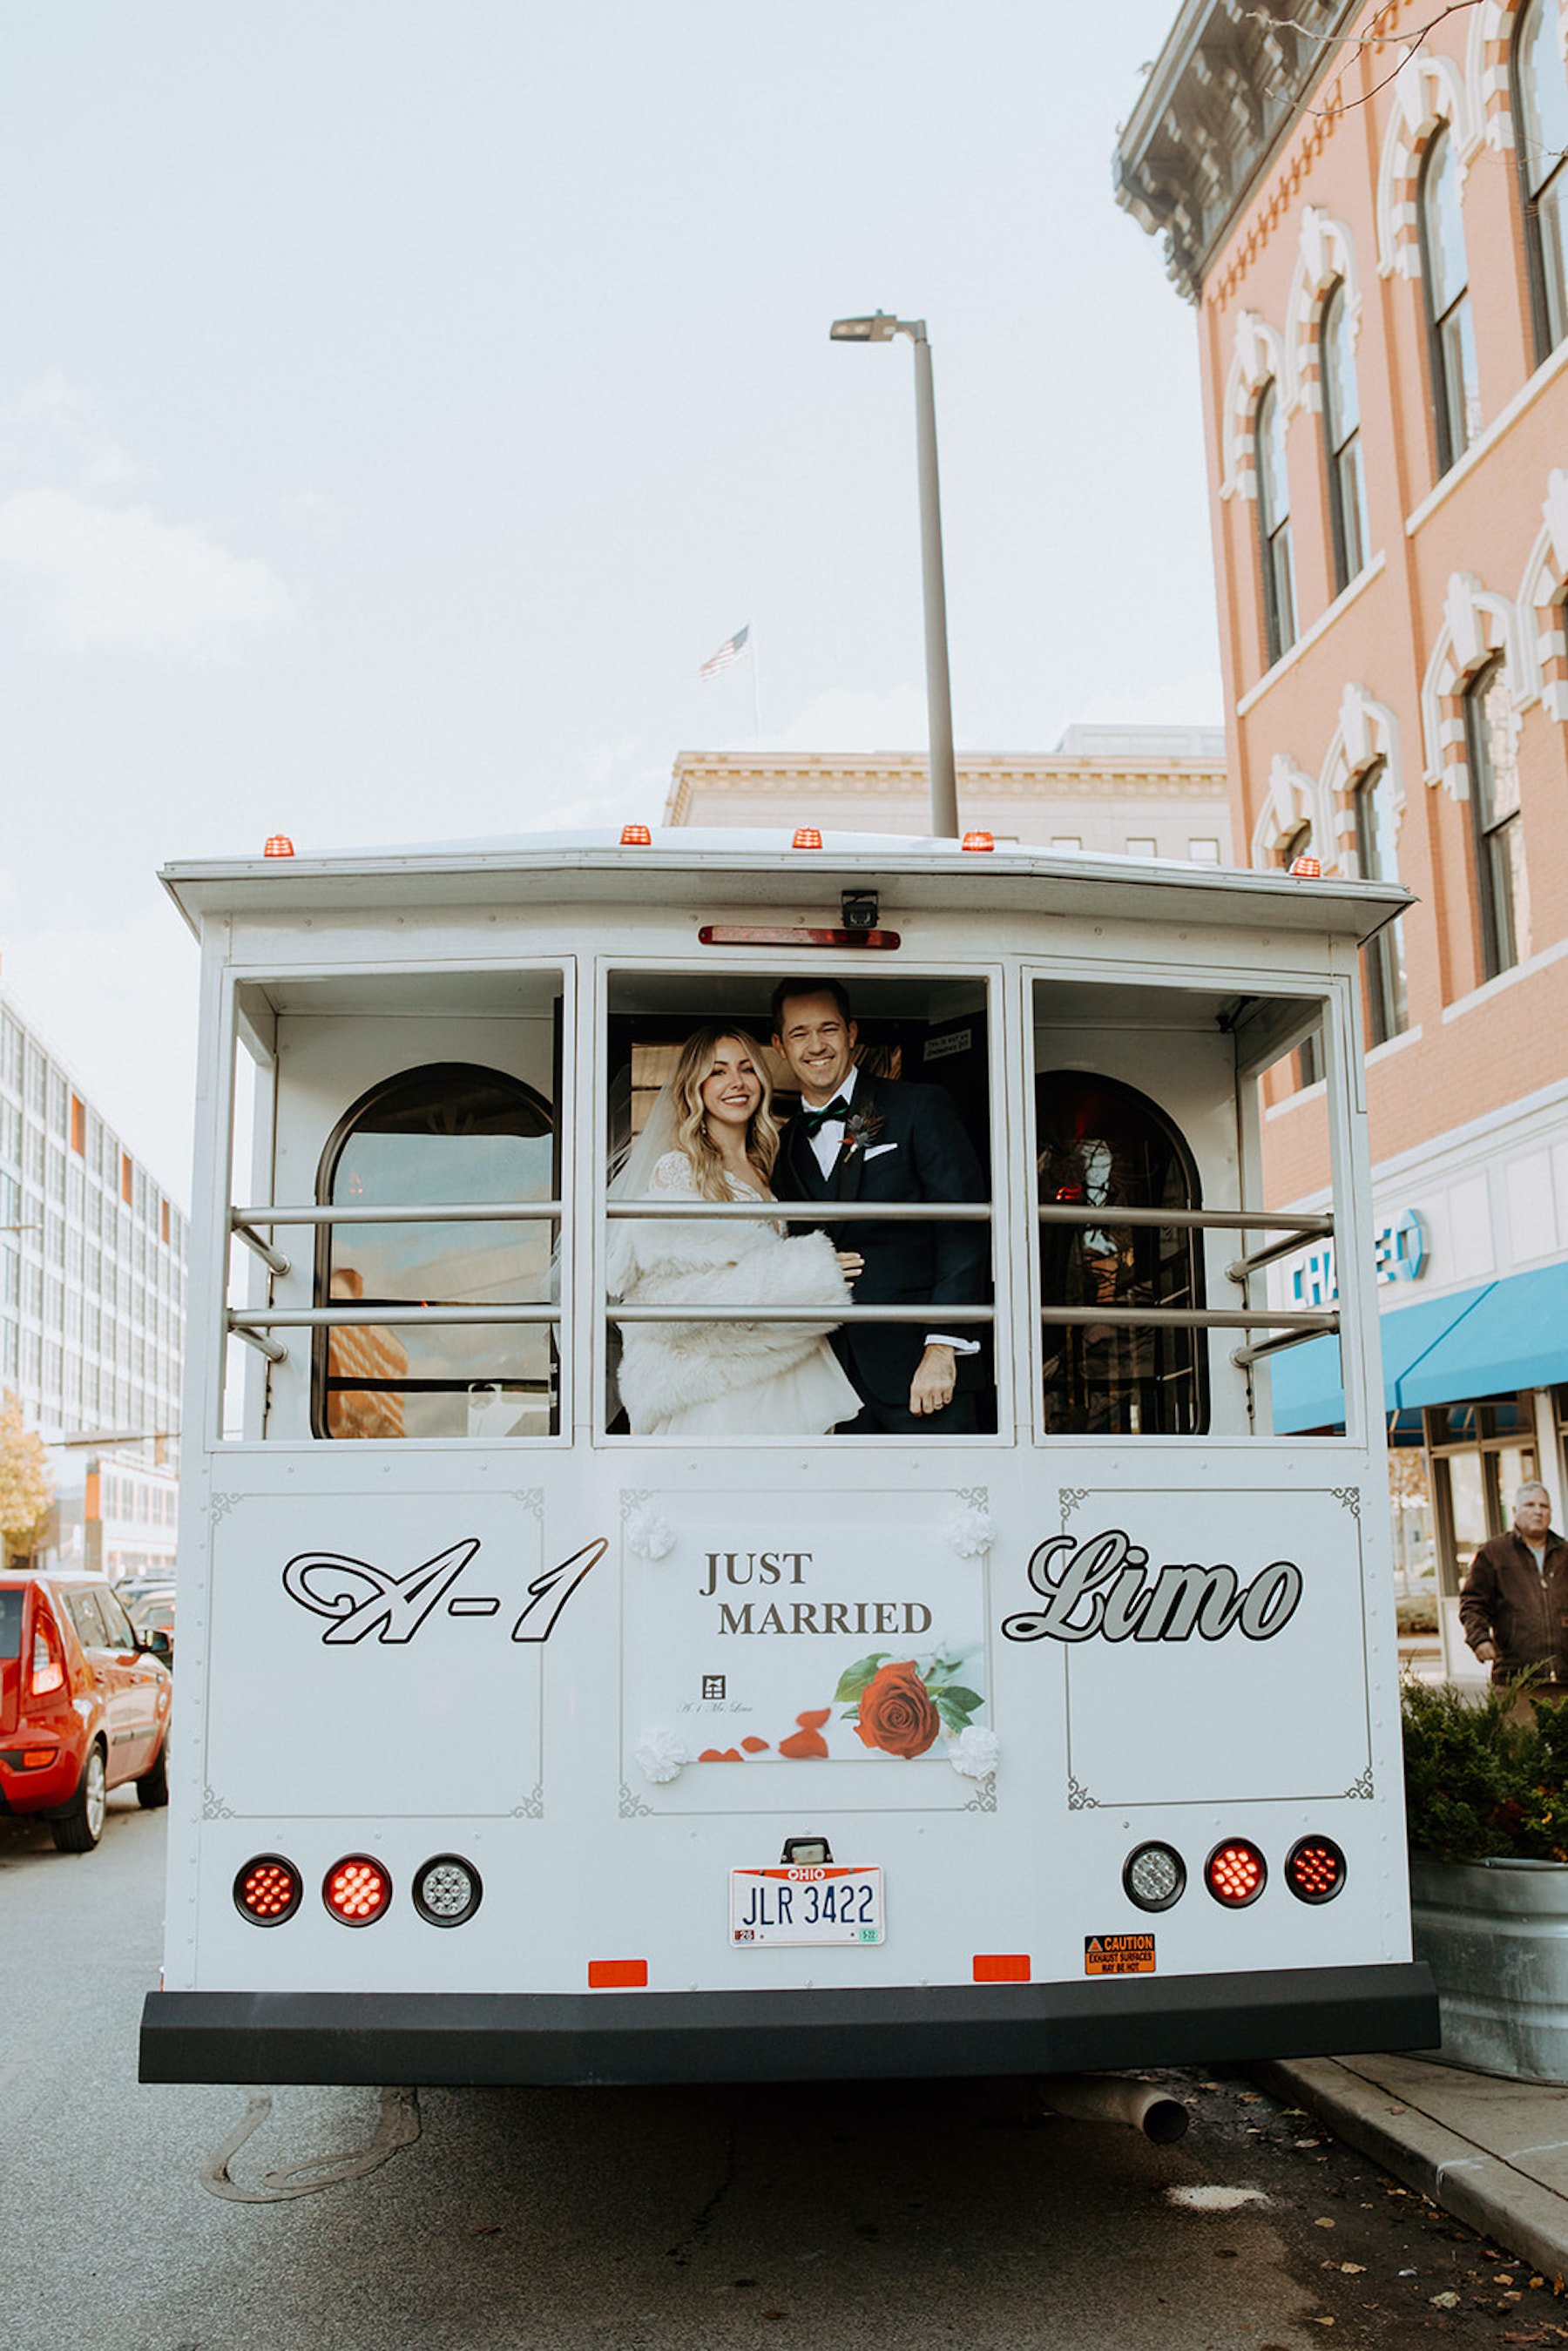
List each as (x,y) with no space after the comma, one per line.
(314,514)
(79,574)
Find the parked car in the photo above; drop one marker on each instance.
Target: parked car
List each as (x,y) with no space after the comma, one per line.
(153,1612)
(84,1703)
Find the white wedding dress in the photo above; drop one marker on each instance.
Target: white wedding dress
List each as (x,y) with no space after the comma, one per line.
(726,1379)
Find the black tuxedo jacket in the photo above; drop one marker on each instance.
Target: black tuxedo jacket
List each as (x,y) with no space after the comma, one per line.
(914,1148)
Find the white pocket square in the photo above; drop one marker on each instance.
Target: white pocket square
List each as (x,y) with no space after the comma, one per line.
(876,1149)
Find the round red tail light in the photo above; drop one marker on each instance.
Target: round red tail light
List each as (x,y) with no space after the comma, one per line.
(267,1890)
(1234,1872)
(1314,1869)
(356,1889)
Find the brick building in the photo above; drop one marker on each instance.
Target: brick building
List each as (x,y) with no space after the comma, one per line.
(1368,209)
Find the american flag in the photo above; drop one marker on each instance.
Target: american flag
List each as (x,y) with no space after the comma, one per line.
(730,651)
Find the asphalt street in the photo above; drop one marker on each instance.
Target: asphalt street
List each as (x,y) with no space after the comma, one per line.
(798,2217)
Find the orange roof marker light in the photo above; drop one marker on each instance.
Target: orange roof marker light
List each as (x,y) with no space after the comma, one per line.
(806,837)
(1306,869)
(279,845)
(978,841)
(636,836)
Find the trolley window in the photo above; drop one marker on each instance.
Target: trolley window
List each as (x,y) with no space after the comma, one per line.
(449,1135)
(817,1158)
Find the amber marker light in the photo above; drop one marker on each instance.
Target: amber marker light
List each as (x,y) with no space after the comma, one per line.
(1235,1873)
(806,837)
(636,836)
(279,845)
(357,1889)
(1314,1869)
(267,1890)
(977,841)
(1306,869)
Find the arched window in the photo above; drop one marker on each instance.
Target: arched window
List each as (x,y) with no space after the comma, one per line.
(449,1135)
(1104,1145)
(1540,115)
(1446,279)
(1310,1058)
(1377,853)
(1274,524)
(1498,833)
(1342,440)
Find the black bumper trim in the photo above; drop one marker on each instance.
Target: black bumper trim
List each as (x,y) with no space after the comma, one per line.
(764,2036)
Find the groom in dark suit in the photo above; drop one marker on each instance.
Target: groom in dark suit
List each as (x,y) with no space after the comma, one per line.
(873,1139)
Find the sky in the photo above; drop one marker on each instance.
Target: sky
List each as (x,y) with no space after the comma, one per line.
(399,403)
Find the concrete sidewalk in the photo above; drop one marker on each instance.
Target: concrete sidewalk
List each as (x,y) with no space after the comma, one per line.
(1492,2152)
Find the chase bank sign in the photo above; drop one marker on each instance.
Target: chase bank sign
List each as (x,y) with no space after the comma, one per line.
(1399,1254)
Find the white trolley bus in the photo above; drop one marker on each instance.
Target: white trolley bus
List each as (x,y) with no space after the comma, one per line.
(514,1747)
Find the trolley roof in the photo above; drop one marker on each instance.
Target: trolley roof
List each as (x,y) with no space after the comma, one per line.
(761,867)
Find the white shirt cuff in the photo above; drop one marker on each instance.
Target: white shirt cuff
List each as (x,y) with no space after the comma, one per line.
(945,1339)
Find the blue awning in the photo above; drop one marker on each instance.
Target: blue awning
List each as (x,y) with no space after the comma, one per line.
(1308,1392)
(1514,1335)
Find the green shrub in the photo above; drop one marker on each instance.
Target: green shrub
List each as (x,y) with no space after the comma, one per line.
(1479,1786)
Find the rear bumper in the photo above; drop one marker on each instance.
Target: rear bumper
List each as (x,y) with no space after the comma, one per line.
(743,2036)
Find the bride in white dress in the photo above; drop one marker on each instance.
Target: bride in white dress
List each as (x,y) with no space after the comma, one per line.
(711,1136)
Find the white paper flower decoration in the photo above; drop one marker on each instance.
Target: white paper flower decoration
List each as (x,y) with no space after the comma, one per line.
(648,1535)
(974,1752)
(971,1533)
(660,1755)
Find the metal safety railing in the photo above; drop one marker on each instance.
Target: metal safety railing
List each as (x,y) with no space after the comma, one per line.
(253,1324)
(1288,1327)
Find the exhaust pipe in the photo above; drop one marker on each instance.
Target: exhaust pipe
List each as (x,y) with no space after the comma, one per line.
(1114,2098)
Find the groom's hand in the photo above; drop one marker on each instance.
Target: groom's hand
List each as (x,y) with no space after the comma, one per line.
(931,1389)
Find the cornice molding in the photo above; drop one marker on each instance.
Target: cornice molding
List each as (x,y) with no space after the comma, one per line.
(1223,93)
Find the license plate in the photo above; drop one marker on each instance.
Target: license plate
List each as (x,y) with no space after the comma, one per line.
(820,1903)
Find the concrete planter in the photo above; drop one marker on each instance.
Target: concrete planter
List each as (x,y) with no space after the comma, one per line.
(1495,1935)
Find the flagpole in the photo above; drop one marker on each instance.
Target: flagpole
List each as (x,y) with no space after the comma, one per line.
(756,684)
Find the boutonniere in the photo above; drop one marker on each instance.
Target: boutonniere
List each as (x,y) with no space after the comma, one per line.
(860,1127)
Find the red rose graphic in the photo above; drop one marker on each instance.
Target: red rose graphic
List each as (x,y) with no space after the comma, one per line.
(896,1713)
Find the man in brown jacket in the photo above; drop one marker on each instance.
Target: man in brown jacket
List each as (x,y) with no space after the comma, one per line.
(1513,1603)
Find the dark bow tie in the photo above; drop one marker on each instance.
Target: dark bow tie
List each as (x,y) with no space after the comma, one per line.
(812,1120)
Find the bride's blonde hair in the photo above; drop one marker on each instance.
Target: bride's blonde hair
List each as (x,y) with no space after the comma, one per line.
(694,1068)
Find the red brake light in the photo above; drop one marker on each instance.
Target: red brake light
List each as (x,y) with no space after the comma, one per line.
(636,836)
(1234,1872)
(1314,1869)
(973,841)
(1306,869)
(48,1669)
(356,1889)
(267,1890)
(279,845)
(806,837)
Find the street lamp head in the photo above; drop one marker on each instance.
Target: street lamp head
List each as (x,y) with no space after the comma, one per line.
(879,327)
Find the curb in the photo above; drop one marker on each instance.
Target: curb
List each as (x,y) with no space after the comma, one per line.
(1488,2194)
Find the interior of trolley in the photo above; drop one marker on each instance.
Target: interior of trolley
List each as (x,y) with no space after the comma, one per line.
(415,1208)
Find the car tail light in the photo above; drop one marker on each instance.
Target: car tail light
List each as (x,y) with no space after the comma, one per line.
(279,845)
(1234,1872)
(1154,1876)
(1306,869)
(49,1668)
(267,1890)
(978,841)
(447,1890)
(39,1759)
(356,1889)
(1314,1869)
(806,837)
(636,836)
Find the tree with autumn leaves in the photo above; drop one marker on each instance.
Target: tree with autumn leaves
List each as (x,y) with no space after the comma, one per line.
(26,1488)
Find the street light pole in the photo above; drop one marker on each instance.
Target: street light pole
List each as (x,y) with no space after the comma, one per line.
(881,328)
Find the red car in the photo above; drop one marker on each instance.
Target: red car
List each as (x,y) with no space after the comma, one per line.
(84,1705)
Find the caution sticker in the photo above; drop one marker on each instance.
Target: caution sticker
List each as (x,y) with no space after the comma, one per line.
(1118,1955)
